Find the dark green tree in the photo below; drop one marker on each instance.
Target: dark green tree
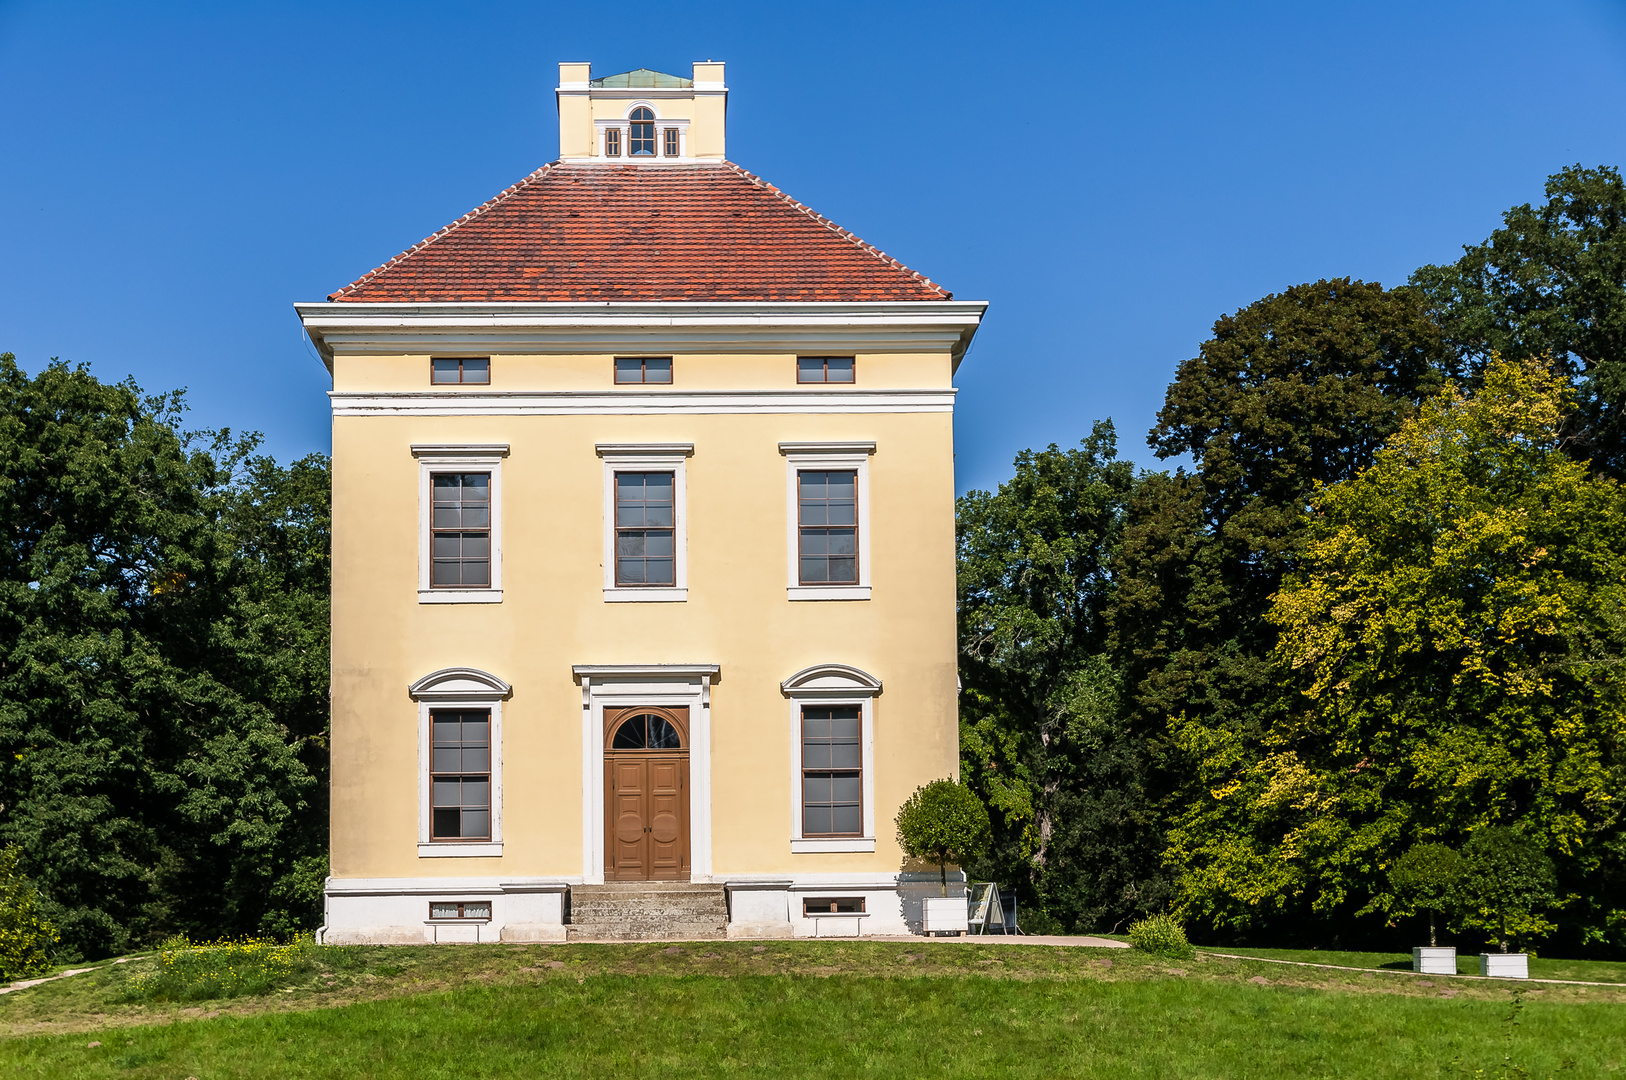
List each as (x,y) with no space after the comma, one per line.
(1040,738)
(1551,283)
(163,664)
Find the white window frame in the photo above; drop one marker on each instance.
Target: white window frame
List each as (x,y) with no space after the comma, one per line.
(451,689)
(449,457)
(648,457)
(825,455)
(832,684)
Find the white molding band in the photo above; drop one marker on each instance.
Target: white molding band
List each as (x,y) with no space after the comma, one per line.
(648,457)
(615,685)
(638,402)
(711,326)
(454,688)
(825,455)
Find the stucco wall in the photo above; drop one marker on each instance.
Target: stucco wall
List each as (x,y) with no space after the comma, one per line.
(553,612)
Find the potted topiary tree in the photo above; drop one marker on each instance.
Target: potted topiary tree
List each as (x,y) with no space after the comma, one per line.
(1507,883)
(1422,880)
(943,822)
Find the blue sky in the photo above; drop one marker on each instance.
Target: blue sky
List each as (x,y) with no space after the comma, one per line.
(1112,177)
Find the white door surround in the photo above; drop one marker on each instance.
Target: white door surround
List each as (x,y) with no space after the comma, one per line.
(622,685)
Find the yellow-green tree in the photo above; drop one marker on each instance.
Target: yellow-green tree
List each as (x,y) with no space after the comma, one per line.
(26,935)
(1453,642)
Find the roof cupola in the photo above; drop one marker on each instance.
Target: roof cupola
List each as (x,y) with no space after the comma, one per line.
(642,116)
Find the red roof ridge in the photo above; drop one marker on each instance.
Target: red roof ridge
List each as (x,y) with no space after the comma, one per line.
(438,233)
(850,237)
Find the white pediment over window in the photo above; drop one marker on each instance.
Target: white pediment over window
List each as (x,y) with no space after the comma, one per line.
(835,679)
(461,684)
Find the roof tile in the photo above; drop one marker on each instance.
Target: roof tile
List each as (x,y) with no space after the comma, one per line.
(641,232)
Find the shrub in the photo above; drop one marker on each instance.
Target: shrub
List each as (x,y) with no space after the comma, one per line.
(219,969)
(26,934)
(1160,935)
(945,822)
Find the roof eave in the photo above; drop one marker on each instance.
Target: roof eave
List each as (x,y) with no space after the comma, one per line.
(383,327)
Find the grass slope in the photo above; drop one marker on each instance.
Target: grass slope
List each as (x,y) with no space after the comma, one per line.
(822,1009)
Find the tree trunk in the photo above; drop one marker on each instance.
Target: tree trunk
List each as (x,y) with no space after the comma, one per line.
(1431,941)
(942,870)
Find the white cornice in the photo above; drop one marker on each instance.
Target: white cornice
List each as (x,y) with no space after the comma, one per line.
(460,450)
(637,402)
(658,449)
(354,328)
(711,672)
(795,448)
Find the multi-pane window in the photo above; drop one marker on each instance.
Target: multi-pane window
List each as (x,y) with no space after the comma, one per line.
(612,142)
(827,517)
(452,910)
(671,136)
(827,369)
(643,369)
(460,531)
(460,775)
(641,133)
(645,523)
(832,771)
(460,369)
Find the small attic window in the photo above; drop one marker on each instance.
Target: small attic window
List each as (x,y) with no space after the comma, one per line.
(641,134)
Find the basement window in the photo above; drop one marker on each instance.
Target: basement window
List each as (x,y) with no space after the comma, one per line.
(458,910)
(833,905)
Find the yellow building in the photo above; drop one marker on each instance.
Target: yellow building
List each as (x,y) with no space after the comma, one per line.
(643,552)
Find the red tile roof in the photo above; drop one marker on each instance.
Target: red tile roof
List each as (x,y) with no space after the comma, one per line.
(641,232)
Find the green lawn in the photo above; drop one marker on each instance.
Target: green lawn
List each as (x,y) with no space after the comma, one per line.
(821,1009)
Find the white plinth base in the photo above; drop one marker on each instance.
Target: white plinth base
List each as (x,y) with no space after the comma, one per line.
(1431,960)
(944,914)
(1512,965)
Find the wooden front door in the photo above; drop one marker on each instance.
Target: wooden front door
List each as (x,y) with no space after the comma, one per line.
(646,794)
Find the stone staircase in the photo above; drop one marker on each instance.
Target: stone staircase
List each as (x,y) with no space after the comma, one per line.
(647,911)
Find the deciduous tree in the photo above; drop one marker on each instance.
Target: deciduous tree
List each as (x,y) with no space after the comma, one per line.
(1453,645)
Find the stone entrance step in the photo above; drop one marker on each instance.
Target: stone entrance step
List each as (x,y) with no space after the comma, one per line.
(647,911)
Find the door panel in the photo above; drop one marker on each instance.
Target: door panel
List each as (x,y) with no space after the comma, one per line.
(628,811)
(668,838)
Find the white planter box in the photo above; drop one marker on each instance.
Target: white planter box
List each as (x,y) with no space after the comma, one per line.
(1434,961)
(943,914)
(1511,965)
